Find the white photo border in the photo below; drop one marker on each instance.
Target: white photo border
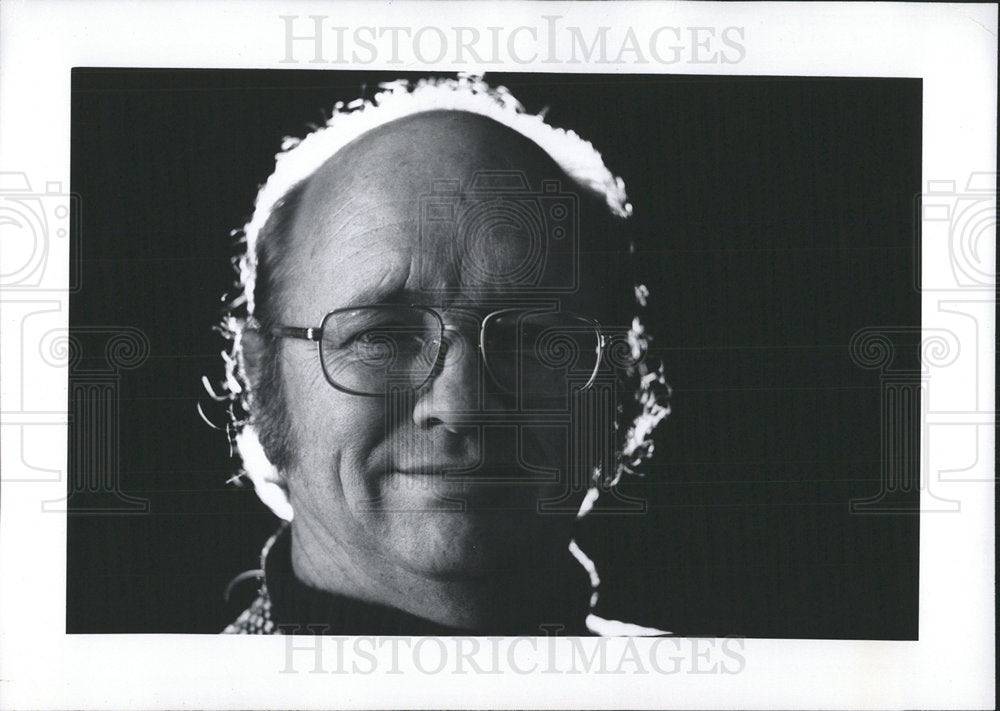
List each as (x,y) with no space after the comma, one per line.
(952,48)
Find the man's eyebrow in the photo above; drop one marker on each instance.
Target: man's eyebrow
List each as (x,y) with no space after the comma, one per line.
(383,295)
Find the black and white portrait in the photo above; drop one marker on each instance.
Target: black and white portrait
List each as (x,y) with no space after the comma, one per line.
(432,354)
(497,355)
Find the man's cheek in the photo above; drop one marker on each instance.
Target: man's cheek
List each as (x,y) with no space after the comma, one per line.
(352,438)
(545,445)
(336,418)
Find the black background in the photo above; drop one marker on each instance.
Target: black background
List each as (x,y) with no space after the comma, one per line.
(776,216)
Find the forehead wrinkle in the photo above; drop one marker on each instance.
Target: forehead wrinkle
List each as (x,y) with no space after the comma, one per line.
(394,278)
(340,227)
(353,244)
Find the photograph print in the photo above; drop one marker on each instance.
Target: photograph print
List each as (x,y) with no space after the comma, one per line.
(362,353)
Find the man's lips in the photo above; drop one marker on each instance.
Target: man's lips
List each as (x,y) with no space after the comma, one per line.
(435,469)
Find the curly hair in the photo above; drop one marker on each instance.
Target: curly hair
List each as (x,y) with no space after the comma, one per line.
(258,423)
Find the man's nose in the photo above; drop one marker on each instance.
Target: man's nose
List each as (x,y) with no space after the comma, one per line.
(453,392)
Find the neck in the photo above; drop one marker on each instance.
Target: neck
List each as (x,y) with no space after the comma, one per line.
(551,589)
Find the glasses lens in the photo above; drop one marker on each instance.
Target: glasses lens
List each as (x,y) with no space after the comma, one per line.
(541,355)
(373,350)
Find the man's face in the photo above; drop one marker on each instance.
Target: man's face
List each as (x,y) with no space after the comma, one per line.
(402,483)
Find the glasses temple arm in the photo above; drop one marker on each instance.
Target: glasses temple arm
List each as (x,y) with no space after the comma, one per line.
(306,334)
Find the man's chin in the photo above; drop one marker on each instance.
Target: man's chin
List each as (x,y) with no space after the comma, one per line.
(470,545)
(462,529)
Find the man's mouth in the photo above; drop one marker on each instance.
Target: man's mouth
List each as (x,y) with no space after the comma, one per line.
(437,467)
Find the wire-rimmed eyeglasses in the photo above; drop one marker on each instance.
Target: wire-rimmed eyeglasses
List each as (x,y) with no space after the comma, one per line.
(373,350)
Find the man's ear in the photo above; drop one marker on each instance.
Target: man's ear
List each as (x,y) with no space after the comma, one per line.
(254,357)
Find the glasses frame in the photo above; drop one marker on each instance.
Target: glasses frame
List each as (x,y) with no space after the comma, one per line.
(315,334)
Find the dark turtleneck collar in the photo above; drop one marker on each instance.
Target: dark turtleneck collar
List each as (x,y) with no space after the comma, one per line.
(298,608)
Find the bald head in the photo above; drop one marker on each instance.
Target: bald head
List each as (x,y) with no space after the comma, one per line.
(506,218)
(423,146)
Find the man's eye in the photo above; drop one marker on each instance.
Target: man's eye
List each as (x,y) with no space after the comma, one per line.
(367,337)
(371,336)
(397,340)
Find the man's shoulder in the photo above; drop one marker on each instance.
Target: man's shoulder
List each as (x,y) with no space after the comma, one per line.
(256,619)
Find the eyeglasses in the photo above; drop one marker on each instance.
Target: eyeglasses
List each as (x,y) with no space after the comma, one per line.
(373,350)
